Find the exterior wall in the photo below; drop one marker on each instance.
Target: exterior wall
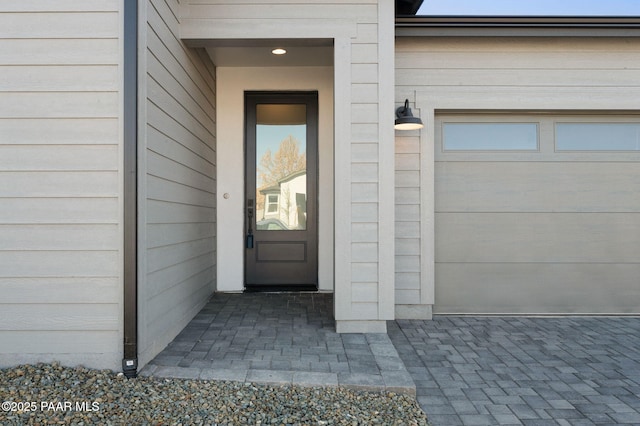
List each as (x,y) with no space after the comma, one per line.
(409,291)
(363,33)
(60,183)
(177,179)
(232,83)
(487,74)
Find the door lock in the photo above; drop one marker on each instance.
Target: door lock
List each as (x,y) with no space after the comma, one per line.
(249,240)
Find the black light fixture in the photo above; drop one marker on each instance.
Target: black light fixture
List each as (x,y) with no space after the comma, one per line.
(405,119)
(407,7)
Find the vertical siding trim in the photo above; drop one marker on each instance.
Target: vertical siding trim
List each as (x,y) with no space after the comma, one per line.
(130,228)
(343,309)
(427,204)
(386,152)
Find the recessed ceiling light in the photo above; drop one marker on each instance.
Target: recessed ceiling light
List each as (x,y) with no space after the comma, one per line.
(278,51)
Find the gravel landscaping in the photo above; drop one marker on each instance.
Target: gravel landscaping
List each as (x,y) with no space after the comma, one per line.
(52,394)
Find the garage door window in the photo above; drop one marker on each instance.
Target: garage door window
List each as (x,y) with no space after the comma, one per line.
(598,136)
(490,136)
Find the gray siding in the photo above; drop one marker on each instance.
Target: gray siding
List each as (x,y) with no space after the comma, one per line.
(60,249)
(178,183)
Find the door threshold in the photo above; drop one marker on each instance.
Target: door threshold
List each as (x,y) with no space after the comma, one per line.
(279,288)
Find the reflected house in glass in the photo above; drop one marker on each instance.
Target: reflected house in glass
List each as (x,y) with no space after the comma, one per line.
(287,201)
(129,198)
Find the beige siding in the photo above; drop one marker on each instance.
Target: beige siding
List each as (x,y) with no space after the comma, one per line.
(179,186)
(407,220)
(519,232)
(364,172)
(60,256)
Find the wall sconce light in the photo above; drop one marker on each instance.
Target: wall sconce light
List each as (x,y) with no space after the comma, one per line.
(405,119)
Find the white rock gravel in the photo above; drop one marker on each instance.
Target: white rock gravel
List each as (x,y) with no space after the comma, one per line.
(52,394)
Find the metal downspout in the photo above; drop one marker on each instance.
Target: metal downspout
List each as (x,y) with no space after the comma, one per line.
(130,99)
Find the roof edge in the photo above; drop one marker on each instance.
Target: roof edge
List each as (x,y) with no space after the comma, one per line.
(616,22)
(517,26)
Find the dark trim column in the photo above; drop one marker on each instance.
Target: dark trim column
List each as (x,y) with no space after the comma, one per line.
(130,99)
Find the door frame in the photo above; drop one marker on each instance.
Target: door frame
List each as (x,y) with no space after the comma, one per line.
(231,83)
(310,98)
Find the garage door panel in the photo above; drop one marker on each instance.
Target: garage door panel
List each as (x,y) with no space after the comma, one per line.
(537,187)
(537,288)
(524,230)
(538,237)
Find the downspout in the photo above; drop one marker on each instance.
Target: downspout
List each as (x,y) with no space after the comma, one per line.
(130,219)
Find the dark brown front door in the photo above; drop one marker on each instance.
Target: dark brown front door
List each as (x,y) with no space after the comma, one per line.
(281,238)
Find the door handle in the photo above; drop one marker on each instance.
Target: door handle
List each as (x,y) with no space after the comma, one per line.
(249,240)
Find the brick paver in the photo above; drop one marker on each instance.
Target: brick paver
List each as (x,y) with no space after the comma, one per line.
(524,371)
(465,370)
(280,338)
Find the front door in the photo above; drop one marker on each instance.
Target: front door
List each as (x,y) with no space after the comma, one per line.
(281,233)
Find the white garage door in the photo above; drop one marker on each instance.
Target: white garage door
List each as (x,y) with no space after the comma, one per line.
(537,213)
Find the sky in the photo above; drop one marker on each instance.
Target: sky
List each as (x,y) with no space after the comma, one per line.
(531,7)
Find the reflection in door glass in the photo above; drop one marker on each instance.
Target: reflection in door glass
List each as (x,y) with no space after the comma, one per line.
(281,167)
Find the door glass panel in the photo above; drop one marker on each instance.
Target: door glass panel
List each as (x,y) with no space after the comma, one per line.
(281,167)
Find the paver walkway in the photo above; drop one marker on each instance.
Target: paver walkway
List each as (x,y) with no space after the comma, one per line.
(280,338)
(464,370)
(531,371)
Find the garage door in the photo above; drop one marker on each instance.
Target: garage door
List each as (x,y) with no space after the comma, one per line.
(537,213)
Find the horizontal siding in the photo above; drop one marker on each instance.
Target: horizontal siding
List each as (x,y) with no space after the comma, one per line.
(24,157)
(58,237)
(358,11)
(59,263)
(45,78)
(34,184)
(167,277)
(168,234)
(183,172)
(301,10)
(513,60)
(60,290)
(59,210)
(89,346)
(60,131)
(50,104)
(65,51)
(407,220)
(60,260)
(520,62)
(270,2)
(59,6)
(365,161)
(50,316)
(520,77)
(180,182)
(520,232)
(76,24)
